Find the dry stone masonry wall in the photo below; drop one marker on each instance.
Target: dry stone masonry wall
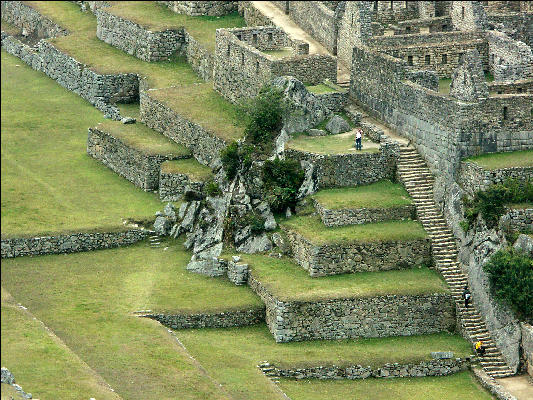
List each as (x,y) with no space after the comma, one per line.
(197,8)
(518,219)
(472,177)
(172,186)
(31,22)
(354,256)
(510,60)
(69,243)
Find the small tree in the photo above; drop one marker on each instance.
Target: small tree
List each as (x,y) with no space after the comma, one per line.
(282,180)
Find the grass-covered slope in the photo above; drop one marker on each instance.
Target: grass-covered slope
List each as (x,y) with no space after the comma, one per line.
(49,184)
(504,160)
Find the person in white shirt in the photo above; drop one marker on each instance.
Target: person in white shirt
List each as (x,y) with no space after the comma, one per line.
(358,138)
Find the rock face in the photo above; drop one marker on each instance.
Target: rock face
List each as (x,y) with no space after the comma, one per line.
(468,80)
(524,243)
(337,125)
(305,110)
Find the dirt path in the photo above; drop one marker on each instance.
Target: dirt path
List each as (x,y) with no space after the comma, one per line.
(520,386)
(280,19)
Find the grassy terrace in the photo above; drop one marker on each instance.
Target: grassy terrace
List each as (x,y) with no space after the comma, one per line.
(504,160)
(200,104)
(322,88)
(383,194)
(190,167)
(454,387)
(288,281)
(343,143)
(312,228)
(144,139)
(23,335)
(157,17)
(243,379)
(281,53)
(49,184)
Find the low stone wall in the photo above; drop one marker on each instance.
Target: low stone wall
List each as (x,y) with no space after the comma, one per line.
(30,21)
(340,258)
(225,319)
(204,145)
(253,16)
(516,87)
(340,170)
(332,319)
(518,219)
(472,177)
(173,186)
(393,370)
(197,8)
(351,216)
(96,88)
(334,101)
(138,167)
(136,40)
(200,60)
(69,243)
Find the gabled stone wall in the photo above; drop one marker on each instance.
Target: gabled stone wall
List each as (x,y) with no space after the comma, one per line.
(510,60)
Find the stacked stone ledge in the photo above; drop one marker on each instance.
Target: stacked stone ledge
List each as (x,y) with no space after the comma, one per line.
(197,8)
(30,21)
(353,216)
(393,370)
(136,165)
(173,186)
(517,219)
(355,256)
(205,145)
(69,243)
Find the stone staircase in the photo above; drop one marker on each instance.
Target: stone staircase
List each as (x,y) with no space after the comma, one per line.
(154,240)
(418,180)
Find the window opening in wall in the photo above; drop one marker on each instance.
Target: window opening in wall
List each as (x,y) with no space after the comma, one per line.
(352,19)
(375,6)
(459,57)
(519,90)
(242,58)
(499,92)
(269,37)
(505,113)
(462,13)
(229,50)
(239,37)
(408,29)
(257,66)
(254,38)
(444,27)
(391,5)
(406,4)
(445,58)
(428,59)
(409,60)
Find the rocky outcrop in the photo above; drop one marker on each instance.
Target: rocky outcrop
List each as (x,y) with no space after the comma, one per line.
(9,379)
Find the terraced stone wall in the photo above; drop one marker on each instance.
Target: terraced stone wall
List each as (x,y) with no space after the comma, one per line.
(443,130)
(241,68)
(347,216)
(69,243)
(341,170)
(353,318)
(225,319)
(140,168)
(197,8)
(30,21)
(204,145)
(173,186)
(340,258)
(518,219)
(136,40)
(472,177)
(334,101)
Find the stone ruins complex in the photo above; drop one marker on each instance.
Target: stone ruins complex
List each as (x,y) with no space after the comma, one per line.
(412,75)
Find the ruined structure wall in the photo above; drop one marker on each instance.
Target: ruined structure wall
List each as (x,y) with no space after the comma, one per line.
(510,60)
(355,28)
(252,15)
(519,26)
(225,319)
(388,12)
(197,8)
(31,22)
(468,15)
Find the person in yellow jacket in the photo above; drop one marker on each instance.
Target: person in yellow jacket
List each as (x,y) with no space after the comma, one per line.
(479,348)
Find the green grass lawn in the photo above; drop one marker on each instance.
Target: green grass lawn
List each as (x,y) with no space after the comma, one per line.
(144,139)
(49,183)
(157,17)
(520,206)
(312,228)
(241,377)
(87,300)
(202,105)
(41,363)
(383,194)
(288,281)
(331,144)
(280,53)
(504,160)
(326,87)
(454,387)
(190,167)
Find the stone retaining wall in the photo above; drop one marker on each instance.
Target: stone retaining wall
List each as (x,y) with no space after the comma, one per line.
(393,370)
(30,21)
(351,216)
(225,319)
(136,40)
(334,101)
(69,243)
(173,186)
(140,168)
(518,219)
(340,170)
(200,60)
(204,145)
(472,177)
(381,316)
(197,8)
(340,258)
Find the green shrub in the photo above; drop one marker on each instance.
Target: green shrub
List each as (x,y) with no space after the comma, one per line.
(282,179)
(212,189)
(511,277)
(230,160)
(490,203)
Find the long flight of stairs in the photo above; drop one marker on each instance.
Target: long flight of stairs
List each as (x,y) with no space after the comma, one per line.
(418,180)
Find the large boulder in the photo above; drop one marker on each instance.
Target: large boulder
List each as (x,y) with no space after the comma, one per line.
(524,243)
(337,125)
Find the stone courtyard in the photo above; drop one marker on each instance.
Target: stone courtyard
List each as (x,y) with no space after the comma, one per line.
(190,216)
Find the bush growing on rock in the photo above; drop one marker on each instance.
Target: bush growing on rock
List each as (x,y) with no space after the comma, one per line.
(511,277)
(282,180)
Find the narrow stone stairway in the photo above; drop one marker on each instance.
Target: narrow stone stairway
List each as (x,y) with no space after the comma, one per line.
(154,240)
(418,180)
